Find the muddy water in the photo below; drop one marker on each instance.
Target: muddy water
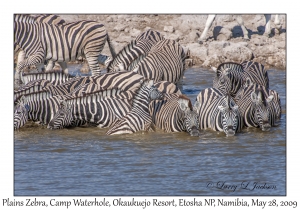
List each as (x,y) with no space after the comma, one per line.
(84,161)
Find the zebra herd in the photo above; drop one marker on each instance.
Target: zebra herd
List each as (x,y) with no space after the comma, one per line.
(139,92)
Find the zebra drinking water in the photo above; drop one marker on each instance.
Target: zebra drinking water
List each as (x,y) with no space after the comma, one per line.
(175,114)
(138,119)
(218,112)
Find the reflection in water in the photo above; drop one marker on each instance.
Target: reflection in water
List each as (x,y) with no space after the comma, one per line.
(84,161)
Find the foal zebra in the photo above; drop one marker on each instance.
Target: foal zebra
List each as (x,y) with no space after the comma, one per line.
(175,114)
(138,119)
(62,43)
(218,112)
(230,76)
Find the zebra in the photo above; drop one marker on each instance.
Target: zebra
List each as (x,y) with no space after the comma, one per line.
(140,46)
(38,107)
(42,41)
(138,119)
(175,114)
(164,62)
(49,19)
(261,107)
(218,112)
(93,108)
(230,76)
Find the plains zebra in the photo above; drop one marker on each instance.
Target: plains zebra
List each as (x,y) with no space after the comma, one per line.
(230,77)
(138,119)
(49,19)
(175,114)
(42,41)
(93,108)
(218,112)
(164,62)
(140,46)
(261,107)
(38,107)
(240,21)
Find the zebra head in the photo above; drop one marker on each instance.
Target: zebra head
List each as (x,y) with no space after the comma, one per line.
(260,108)
(230,117)
(63,117)
(21,113)
(191,122)
(222,80)
(153,92)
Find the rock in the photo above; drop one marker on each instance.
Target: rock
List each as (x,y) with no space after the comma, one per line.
(169,29)
(135,32)
(222,34)
(119,27)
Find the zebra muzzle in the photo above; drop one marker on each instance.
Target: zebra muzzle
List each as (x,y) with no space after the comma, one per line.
(230,131)
(194,131)
(265,127)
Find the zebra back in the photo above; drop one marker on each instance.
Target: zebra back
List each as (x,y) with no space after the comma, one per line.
(136,48)
(167,87)
(165,61)
(92,108)
(55,77)
(31,87)
(50,19)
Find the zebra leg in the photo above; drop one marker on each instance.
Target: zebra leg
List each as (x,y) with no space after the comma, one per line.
(93,64)
(208,24)
(49,66)
(277,24)
(240,21)
(268,25)
(64,67)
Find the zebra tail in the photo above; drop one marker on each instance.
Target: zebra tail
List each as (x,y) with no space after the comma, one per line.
(111,47)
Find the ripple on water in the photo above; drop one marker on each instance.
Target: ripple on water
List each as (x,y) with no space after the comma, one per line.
(84,161)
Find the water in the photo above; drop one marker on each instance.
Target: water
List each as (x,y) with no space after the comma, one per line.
(84,161)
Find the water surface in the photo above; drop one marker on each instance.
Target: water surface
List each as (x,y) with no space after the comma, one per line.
(84,161)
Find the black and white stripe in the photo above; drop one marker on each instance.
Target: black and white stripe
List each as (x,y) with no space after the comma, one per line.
(218,112)
(260,107)
(175,114)
(62,43)
(231,76)
(138,119)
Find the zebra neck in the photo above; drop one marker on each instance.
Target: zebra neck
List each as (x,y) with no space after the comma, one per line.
(141,100)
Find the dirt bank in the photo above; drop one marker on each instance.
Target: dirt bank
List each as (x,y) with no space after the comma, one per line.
(186,29)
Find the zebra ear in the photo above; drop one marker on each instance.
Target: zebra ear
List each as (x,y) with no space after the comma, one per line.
(254,97)
(151,83)
(197,106)
(270,98)
(248,82)
(135,70)
(182,104)
(214,69)
(221,108)
(236,107)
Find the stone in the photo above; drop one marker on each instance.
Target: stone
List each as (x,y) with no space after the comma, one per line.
(169,29)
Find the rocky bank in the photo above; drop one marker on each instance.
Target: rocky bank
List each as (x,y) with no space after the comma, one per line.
(224,40)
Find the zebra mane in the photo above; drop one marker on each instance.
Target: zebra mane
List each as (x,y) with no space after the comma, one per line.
(184,97)
(136,62)
(48,72)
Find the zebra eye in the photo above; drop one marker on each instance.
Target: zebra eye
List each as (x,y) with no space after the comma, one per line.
(222,80)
